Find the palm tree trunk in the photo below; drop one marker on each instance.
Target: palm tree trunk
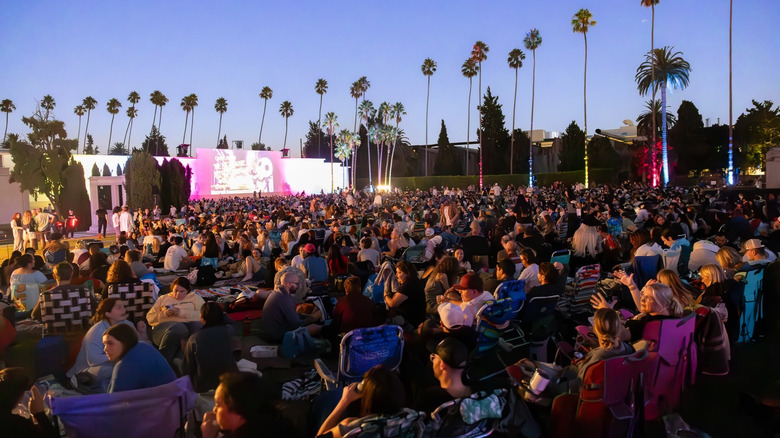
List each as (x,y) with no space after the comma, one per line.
(124,139)
(129,135)
(654,173)
(512,137)
(427,99)
(531,132)
(5,134)
(731,126)
(285,133)
(468,130)
(331,158)
(219,133)
(479,132)
(154,117)
(319,140)
(192,125)
(585,106)
(664,156)
(184,135)
(86,131)
(78,135)
(110,133)
(262,121)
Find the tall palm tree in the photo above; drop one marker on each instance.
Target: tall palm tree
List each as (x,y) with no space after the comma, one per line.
(89,104)
(343,150)
(355,92)
(651,4)
(665,67)
(384,111)
(7,106)
(79,111)
(428,69)
(48,104)
(133,98)
(367,113)
(286,110)
(469,69)
(332,124)
(398,111)
(186,107)
(265,94)
(515,61)
(645,122)
(112,106)
(154,97)
(479,54)
(161,104)
(221,107)
(132,113)
(321,87)
(193,103)
(730,177)
(581,22)
(532,41)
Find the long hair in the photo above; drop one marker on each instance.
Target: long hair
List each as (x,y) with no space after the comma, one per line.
(120,272)
(126,335)
(663,295)
(246,395)
(728,257)
(382,391)
(585,241)
(683,294)
(449,266)
(607,323)
(714,272)
(103,307)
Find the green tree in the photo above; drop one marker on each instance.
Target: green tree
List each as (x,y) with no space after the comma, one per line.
(331,121)
(118,169)
(479,54)
(355,92)
(117,149)
(651,4)
(494,135)
(428,69)
(666,67)
(154,144)
(133,98)
(602,152)
(95,170)
(398,111)
(79,111)
(286,110)
(186,106)
(688,139)
(321,87)
(141,176)
(469,70)
(7,106)
(89,104)
(265,94)
(90,148)
(259,147)
(515,61)
(159,100)
(106,170)
(571,154)
(367,113)
(447,158)
(314,137)
(112,106)
(221,107)
(756,131)
(41,160)
(193,103)
(48,104)
(343,150)
(74,194)
(532,41)
(581,22)
(132,113)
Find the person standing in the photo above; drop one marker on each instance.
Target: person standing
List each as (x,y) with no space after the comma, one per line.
(115,221)
(43,225)
(29,231)
(70,224)
(18,232)
(102,219)
(126,221)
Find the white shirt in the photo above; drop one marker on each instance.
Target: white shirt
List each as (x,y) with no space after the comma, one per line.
(649,249)
(173,257)
(115,220)
(125,222)
(531,276)
(470,308)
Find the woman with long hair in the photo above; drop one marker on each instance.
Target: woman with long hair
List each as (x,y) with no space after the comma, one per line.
(137,365)
(408,300)
(723,295)
(730,260)
(29,227)
(657,301)
(13,384)
(18,232)
(683,293)
(397,243)
(338,264)
(444,275)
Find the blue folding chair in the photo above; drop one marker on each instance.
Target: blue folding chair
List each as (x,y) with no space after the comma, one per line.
(646,268)
(751,311)
(562,255)
(362,349)
(491,320)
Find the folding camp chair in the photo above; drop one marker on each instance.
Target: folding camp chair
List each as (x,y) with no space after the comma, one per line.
(752,305)
(460,418)
(137,297)
(492,318)
(361,349)
(66,310)
(646,268)
(562,255)
(149,412)
(405,424)
(577,295)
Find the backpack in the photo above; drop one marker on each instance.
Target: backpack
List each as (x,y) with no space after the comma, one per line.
(206,276)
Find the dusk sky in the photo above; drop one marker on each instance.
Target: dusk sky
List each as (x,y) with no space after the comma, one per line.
(232,49)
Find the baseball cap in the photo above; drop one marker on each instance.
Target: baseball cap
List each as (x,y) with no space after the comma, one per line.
(429,232)
(452,352)
(451,315)
(753,244)
(309,248)
(469,281)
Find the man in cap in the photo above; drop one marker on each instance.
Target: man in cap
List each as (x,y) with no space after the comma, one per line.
(472,295)
(449,359)
(756,255)
(313,266)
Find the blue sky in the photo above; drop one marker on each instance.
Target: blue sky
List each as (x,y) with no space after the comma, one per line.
(232,49)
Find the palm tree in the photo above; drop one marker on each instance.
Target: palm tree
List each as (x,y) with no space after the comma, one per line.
(651,4)
(469,69)
(515,61)
(112,106)
(221,107)
(581,22)
(48,104)
(161,104)
(265,94)
(428,69)
(89,104)
(321,87)
(154,97)
(645,122)
(479,54)
(366,113)
(132,113)
(398,111)
(343,150)
(384,112)
(730,177)
(532,41)
(331,122)
(133,98)
(193,103)
(7,106)
(354,143)
(355,92)
(79,111)
(185,106)
(286,110)
(665,67)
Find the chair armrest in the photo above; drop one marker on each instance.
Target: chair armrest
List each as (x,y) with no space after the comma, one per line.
(325,374)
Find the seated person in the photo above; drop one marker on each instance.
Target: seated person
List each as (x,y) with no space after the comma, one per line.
(92,371)
(408,300)
(505,271)
(133,257)
(63,274)
(138,365)
(439,281)
(472,297)
(120,272)
(463,264)
(756,255)
(209,351)
(13,384)
(380,393)
(282,267)
(176,256)
(55,251)
(549,282)
(449,359)
(255,271)
(368,253)
(279,315)
(174,317)
(353,310)
(22,276)
(313,266)
(530,272)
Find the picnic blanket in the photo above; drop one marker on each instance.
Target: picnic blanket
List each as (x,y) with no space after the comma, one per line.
(224,291)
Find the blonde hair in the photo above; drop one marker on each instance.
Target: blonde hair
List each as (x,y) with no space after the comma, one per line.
(606,322)
(715,272)
(682,293)
(585,241)
(728,257)
(663,295)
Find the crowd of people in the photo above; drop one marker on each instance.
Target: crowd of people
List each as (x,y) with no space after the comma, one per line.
(440,256)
